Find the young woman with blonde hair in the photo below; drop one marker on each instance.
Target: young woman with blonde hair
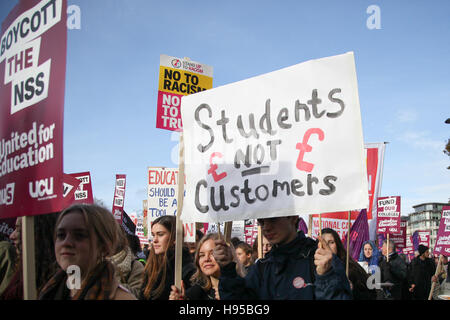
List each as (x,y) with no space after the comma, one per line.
(205,281)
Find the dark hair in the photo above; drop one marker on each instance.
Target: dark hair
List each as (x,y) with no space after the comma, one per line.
(356,274)
(235,241)
(245,247)
(391,244)
(198,235)
(134,243)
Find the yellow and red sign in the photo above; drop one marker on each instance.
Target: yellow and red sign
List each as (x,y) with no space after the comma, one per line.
(177,78)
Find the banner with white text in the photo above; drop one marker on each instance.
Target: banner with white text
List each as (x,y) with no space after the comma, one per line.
(119,197)
(33,45)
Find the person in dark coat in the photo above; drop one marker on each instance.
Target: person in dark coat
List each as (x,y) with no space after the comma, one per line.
(393,273)
(159,273)
(296,268)
(422,270)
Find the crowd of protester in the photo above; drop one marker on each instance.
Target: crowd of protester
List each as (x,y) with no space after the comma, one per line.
(113,266)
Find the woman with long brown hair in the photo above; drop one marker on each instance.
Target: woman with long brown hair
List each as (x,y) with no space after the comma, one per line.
(356,274)
(159,274)
(85,236)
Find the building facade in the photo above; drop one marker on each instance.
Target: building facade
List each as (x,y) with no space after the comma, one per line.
(426,216)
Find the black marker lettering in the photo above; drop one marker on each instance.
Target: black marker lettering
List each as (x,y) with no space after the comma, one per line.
(204,126)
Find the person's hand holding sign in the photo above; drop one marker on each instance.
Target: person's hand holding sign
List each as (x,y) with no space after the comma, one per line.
(323,257)
(222,253)
(176,294)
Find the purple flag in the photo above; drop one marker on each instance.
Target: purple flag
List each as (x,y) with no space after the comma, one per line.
(302,226)
(380,238)
(415,240)
(359,233)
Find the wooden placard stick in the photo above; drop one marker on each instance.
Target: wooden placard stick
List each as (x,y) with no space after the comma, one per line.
(28,249)
(438,270)
(179,224)
(309,226)
(320,224)
(218,231)
(227,231)
(348,245)
(387,248)
(260,243)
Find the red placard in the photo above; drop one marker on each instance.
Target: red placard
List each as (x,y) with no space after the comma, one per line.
(372,168)
(32,82)
(119,197)
(70,187)
(83,194)
(400,237)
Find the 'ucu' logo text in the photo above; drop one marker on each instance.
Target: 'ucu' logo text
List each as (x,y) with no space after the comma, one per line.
(41,188)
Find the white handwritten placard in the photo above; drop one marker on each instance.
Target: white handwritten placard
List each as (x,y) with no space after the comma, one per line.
(284,143)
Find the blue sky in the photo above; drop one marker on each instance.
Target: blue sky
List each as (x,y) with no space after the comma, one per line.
(113,66)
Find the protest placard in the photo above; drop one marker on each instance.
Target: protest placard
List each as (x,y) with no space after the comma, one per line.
(442,245)
(374,158)
(7,226)
(32,71)
(250,231)
(400,237)
(119,197)
(83,194)
(284,143)
(162,192)
(177,78)
(388,215)
(162,198)
(141,230)
(238,230)
(337,221)
(420,237)
(70,187)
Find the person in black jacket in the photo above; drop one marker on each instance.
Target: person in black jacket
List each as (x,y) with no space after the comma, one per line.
(393,273)
(159,273)
(422,270)
(296,268)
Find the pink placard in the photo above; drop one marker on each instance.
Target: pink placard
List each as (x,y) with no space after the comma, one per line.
(442,245)
(388,215)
